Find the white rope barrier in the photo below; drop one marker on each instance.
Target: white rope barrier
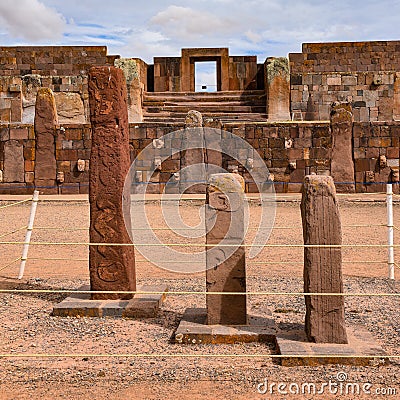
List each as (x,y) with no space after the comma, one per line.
(322,246)
(202,293)
(28,235)
(9,264)
(194,355)
(200,262)
(201,229)
(12,232)
(14,204)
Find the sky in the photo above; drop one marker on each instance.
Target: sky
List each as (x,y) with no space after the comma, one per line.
(144,29)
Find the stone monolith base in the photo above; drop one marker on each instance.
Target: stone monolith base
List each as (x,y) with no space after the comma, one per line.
(140,306)
(362,349)
(194,329)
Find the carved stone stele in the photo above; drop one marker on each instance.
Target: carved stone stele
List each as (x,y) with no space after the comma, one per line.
(324,321)
(112,268)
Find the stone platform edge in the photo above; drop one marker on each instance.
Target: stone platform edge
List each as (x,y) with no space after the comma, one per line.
(140,306)
(361,350)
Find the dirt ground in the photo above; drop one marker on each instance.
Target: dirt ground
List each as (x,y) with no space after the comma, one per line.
(44,357)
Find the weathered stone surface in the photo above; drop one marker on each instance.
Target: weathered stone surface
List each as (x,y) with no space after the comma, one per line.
(193,173)
(45,130)
(324,321)
(342,165)
(396,97)
(311,112)
(193,119)
(278,89)
(70,108)
(131,68)
(112,268)
(226,269)
(13,161)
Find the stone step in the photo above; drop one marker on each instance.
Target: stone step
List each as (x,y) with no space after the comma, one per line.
(249,102)
(202,97)
(198,95)
(180,118)
(171,107)
(225,108)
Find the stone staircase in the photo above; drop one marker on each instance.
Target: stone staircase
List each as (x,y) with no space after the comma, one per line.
(172,107)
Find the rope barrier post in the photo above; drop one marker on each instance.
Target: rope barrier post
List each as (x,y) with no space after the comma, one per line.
(28,235)
(389,202)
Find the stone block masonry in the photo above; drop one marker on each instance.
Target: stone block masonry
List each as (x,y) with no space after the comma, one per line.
(362,73)
(290,150)
(63,69)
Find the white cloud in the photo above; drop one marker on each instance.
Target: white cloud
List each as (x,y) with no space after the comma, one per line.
(254,37)
(31,20)
(187,23)
(163,27)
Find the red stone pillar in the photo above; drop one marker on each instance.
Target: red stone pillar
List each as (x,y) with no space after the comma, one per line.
(112,268)
(322,265)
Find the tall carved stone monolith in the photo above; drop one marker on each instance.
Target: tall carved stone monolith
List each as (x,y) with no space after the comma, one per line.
(193,173)
(278,88)
(342,164)
(45,151)
(324,321)
(225,230)
(112,268)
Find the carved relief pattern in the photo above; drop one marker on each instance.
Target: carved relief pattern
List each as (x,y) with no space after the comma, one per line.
(112,268)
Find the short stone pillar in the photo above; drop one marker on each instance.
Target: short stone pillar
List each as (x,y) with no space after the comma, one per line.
(324,321)
(193,172)
(112,268)
(342,164)
(278,88)
(226,268)
(45,151)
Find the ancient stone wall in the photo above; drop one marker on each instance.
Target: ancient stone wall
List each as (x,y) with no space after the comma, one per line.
(362,73)
(290,150)
(63,69)
(167,74)
(243,73)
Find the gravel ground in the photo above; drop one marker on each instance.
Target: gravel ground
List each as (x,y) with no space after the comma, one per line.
(27,327)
